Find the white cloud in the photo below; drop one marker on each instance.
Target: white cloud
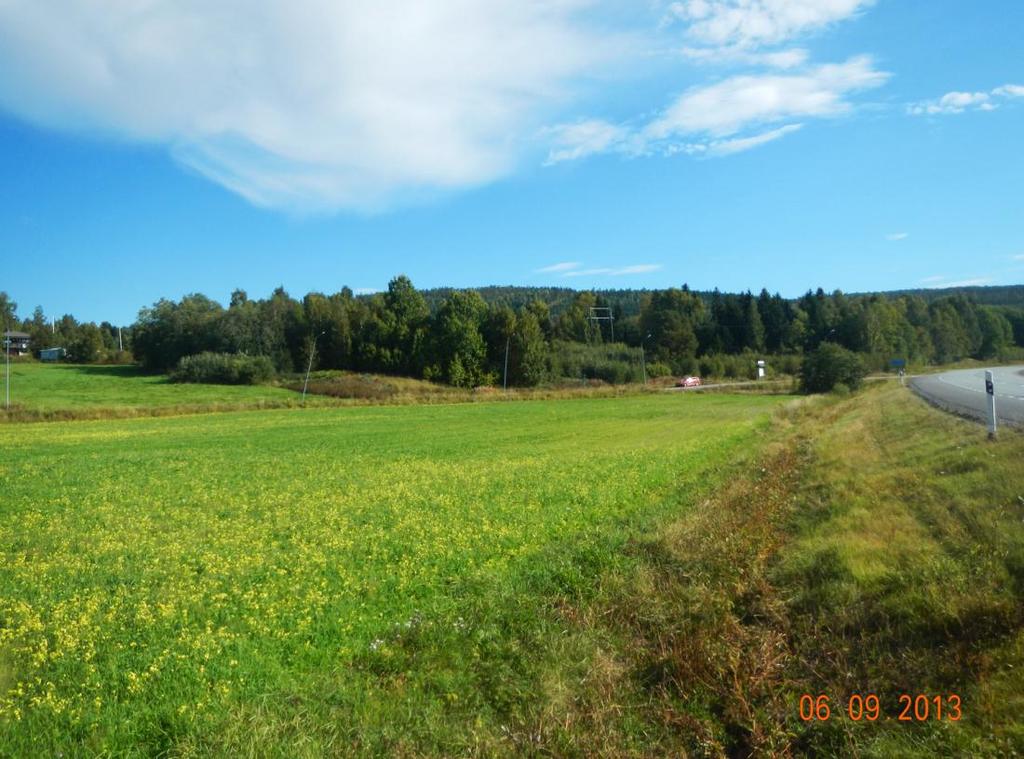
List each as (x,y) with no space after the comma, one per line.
(614,272)
(584,138)
(737,145)
(939,282)
(741,102)
(951,102)
(975,282)
(566,266)
(897,236)
(958,102)
(1018,257)
(1010,91)
(636,269)
(318,105)
(780,59)
(718,119)
(310,104)
(751,23)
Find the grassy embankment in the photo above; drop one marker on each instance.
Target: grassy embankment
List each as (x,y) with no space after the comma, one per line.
(878,550)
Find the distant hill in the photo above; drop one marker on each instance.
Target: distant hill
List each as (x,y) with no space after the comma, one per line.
(628,301)
(558,299)
(999,295)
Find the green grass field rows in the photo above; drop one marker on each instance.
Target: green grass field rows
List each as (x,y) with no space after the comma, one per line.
(239,582)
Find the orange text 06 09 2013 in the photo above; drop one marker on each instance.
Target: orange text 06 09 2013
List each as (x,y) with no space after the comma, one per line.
(868,707)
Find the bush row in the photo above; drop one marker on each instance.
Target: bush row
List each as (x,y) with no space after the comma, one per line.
(224,369)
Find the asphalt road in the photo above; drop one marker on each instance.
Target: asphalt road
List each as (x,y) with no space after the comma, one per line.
(963,392)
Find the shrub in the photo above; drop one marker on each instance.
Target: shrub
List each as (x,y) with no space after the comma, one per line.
(831,365)
(658,369)
(224,369)
(613,363)
(786,364)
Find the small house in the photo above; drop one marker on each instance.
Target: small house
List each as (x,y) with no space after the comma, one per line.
(52,354)
(16,343)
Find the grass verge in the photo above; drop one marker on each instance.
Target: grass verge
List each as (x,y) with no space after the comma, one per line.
(878,548)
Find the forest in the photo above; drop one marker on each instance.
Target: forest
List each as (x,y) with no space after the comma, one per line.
(467,338)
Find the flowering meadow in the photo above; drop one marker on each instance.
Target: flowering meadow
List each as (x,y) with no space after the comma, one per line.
(320,581)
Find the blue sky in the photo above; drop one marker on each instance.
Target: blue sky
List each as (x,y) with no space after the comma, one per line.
(161,148)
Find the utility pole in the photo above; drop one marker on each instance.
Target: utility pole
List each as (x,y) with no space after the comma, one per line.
(600,314)
(309,368)
(120,345)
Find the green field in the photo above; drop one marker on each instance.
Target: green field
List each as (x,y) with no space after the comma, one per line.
(301,582)
(52,387)
(648,575)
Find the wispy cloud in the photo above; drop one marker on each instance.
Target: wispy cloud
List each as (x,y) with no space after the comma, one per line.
(1017,257)
(740,102)
(778,59)
(974,282)
(754,23)
(741,112)
(897,236)
(614,272)
(738,145)
(557,268)
(959,102)
(725,118)
(583,138)
(636,269)
(940,282)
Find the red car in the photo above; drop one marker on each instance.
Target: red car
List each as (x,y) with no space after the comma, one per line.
(689,382)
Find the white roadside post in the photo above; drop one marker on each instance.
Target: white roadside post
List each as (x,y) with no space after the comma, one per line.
(990,394)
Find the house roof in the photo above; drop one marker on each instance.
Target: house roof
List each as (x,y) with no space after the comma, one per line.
(13,333)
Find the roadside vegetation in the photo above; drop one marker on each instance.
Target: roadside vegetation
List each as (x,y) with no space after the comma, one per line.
(831,367)
(875,546)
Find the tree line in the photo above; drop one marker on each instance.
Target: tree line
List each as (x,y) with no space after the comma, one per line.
(461,338)
(84,342)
